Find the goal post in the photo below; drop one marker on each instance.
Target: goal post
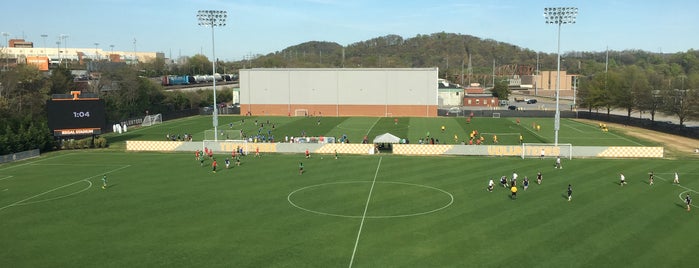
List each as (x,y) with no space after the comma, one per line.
(301,112)
(226,146)
(223,134)
(496,115)
(150,120)
(534,150)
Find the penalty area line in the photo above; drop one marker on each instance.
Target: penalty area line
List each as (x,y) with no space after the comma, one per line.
(20,202)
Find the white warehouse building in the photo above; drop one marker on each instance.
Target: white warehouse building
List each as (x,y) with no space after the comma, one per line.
(339,92)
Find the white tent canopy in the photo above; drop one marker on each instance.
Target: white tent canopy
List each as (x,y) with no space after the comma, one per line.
(386,138)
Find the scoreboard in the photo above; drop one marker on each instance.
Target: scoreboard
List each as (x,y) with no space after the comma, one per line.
(68,117)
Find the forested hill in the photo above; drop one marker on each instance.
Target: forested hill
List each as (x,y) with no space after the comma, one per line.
(450,52)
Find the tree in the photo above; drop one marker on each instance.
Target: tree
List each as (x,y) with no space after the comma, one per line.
(501,89)
(198,64)
(650,99)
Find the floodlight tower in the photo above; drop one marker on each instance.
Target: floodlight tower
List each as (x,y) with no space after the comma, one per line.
(96,54)
(7,44)
(43,36)
(560,16)
(213,18)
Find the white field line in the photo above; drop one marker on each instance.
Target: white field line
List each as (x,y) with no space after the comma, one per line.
(366,207)
(532,132)
(678,185)
(4,178)
(567,125)
(33,162)
(60,187)
(372,126)
(620,137)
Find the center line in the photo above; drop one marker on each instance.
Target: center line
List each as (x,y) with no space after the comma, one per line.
(366,207)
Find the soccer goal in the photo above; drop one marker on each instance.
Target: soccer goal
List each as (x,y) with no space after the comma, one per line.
(301,112)
(150,120)
(496,115)
(547,150)
(223,134)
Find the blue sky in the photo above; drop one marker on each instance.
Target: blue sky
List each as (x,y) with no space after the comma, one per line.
(261,27)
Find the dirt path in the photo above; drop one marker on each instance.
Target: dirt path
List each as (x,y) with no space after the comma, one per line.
(672,143)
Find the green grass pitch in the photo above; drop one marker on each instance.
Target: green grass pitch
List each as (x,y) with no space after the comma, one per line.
(165,210)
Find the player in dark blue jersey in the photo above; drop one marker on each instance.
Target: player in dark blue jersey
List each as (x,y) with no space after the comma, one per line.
(570,192)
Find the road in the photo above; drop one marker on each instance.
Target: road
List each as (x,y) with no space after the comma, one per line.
(566,104)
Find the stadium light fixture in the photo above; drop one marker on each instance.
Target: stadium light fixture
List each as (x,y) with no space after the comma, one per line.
(560,16)
(213,18)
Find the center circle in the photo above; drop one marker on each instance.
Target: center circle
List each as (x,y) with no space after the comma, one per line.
(388,199)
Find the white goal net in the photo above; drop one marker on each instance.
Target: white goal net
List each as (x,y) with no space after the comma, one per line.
(496,115)
(301,112)
(150,120)
(547,150)
(226,147)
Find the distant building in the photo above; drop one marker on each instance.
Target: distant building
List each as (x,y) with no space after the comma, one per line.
(476,96)
(543,84)
(19,50)
(339,91)
(449,94)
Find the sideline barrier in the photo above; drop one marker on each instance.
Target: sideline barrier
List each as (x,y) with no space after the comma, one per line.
(228,146)
(399,149)
(516,150)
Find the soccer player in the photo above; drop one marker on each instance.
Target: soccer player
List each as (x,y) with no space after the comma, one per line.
(650,178)
(491,184)
(525,183)
(677,178)
(213,166)
(503,181)
(443,128)
(688,200)
(521,139)
(542,154)
(257,151)
(104,181)
(514,192)
(300,168)
(237,160)
(196,154)
(514,177)
(622,179)
(228,163)
(539,177)
(335,154)
(570,192)
(558,162)
(308,154)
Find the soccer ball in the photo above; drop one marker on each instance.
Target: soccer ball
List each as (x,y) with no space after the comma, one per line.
(321,157)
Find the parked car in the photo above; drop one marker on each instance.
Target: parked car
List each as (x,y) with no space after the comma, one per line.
(454,110)
(512,107)
(531,101)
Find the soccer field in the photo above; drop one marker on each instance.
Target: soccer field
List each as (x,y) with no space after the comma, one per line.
(414,128)
(165,210)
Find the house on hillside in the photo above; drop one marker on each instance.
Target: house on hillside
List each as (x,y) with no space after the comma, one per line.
(477,96)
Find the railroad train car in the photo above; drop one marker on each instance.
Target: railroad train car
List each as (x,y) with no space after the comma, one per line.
(171,80)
